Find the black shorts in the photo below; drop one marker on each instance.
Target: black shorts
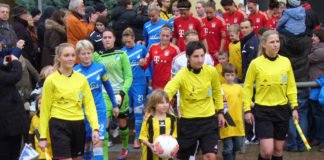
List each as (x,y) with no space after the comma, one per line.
(197,132)
(272,122)
(67,138)
(124,115)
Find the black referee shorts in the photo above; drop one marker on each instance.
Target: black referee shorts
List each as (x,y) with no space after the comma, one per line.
(197,133)
(67,138)
(272,122)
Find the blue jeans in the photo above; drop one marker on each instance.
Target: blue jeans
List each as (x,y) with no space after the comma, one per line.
(294,141)
(318,118)
(231,145)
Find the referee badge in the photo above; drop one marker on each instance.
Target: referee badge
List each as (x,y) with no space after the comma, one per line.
(209,92)
(80,96)
(284,79)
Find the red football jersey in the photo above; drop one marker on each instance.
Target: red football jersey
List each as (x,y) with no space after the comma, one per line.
(215,31)
(182,25)
(272,22)
(235,18)
(162,64)
(259,20)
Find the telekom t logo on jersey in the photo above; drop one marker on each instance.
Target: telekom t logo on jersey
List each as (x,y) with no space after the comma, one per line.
(181,32)
(156,59)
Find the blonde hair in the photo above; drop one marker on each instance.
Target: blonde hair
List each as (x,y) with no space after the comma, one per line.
(58,53)
(45,72)
(128,32)
(264,39)
(82,44)
(155,98)
(234,28)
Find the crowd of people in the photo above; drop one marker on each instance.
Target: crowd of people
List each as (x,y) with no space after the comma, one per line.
(72,78)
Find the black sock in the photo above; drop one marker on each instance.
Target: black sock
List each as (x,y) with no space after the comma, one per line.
(276,158)
(261,158)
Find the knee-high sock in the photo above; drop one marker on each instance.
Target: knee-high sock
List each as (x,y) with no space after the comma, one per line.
(105,146)
(124,135)
(98,153)
(138,115)
(276,158)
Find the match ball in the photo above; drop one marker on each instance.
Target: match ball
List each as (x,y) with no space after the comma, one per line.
(166,146)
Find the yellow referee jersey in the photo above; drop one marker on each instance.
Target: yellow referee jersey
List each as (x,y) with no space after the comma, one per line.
(63,97)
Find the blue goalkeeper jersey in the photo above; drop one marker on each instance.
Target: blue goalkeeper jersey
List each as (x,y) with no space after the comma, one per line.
(151,32)
(97,77)
(135,54)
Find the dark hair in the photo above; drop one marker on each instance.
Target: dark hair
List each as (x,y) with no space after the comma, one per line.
(211,4)
(103,20)
(109,30)
(227,2)
(124,3)
(320,34)
(58,16)
(248,20)
(262,30)
(228,68)
(273,4)
(192,46)
(183,4)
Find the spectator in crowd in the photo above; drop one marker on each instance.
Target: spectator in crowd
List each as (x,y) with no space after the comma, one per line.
(249,45)
(16,51)
(48,12)
(316,70)
(282,7)
(101,10)
(89,10)
(272,14)
(296,47)
(124,16)
(33,33)
(292,22)
(312,21)
(20,25)
(215,29)
(77,28)
(201,9)
(165,7)
(95,37)
(55,34)
(184,23)
(6,29)
(36,14)
(275,97)
(258,18)
(152,28)
(12,113)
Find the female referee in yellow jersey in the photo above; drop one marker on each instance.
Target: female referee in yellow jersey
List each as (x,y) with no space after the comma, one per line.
(64,94)
(275,86)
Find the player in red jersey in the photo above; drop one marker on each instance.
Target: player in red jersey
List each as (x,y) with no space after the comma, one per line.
(215,29)
(161,54)
(184,23)
(258,18)
(231,16)
(273,15)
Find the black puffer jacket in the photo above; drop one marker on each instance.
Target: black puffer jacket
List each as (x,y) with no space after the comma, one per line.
(123,18)
(13,120)
(20,27)
(297,50)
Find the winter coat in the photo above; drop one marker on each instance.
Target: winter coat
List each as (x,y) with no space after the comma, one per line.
(297,49)
(21,29)
(55,34)
(13,119)
(77,28)
(316,61)
(123,18)
(7,31)
(249,48)
(293,20)
(29,76)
